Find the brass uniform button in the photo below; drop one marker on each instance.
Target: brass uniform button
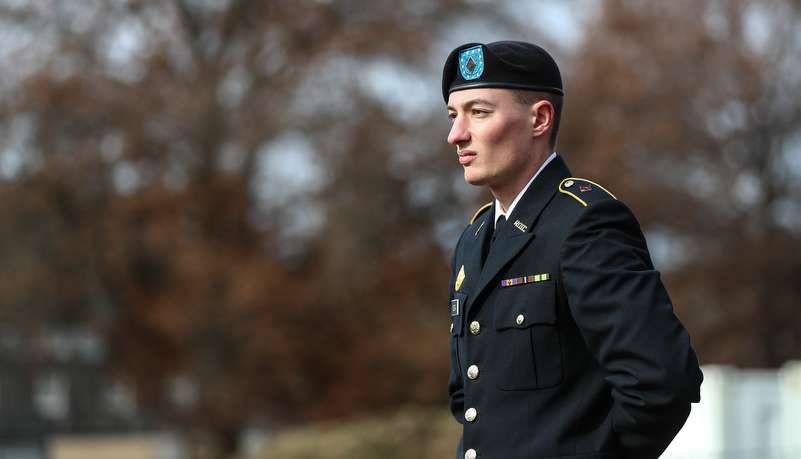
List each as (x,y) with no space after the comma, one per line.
(451,327)
(475,327)
(470,415)
(470,454)
(472,372)
(520,319)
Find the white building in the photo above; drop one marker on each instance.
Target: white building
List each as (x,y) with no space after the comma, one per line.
(744,414)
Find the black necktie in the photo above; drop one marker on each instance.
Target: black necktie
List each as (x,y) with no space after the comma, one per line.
(498,226)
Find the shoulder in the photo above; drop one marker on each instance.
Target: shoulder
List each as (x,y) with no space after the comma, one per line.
(583,191)
(483,209)
(478,221)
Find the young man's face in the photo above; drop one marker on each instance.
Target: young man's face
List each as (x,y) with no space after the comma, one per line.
(492,133)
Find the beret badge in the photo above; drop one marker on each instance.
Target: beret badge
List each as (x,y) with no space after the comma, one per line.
(471,63)
(501,64)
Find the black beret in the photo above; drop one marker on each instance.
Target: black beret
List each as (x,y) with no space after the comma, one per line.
(501,64)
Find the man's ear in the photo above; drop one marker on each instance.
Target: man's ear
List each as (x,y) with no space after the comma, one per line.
(541,117)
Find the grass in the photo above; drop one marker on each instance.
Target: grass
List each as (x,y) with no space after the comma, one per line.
(409,433)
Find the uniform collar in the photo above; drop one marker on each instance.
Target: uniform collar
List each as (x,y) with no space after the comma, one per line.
(499,211)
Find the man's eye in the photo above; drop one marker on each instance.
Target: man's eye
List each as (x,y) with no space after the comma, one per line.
(452,116)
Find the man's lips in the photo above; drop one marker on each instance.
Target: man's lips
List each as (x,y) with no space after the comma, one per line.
(465,157)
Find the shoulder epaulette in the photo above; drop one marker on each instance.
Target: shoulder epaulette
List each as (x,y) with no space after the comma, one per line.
(575,186)
(480,211)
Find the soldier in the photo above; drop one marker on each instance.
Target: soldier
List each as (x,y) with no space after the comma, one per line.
(564,340)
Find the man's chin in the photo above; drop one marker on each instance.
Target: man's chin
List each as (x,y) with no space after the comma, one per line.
(473,179)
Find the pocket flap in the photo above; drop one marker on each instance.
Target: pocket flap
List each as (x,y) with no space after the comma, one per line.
(525,305)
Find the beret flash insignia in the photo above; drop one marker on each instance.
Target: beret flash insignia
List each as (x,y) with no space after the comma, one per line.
(471,63)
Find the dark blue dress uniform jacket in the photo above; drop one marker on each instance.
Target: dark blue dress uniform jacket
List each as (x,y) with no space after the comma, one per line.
(564,342)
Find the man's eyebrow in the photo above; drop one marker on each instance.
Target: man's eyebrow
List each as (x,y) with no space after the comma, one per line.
(472,102)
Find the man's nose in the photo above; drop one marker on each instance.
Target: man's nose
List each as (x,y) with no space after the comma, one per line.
(459,132)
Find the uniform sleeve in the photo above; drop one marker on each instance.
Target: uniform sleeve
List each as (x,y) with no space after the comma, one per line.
(626,317)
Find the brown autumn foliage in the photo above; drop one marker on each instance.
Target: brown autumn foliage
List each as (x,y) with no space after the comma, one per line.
(141,203)
(694,122)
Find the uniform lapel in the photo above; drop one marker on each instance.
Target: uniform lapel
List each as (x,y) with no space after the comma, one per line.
(471,250)
(518,231)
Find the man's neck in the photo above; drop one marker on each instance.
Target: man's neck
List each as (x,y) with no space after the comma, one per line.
(507,198)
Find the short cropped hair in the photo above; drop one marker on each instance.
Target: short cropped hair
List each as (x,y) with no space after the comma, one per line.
(528,98)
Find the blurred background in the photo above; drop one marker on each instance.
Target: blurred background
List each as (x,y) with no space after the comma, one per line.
(225,225)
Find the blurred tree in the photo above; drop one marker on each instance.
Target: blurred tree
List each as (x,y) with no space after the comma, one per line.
(247,199)
(237,195)
(688,111)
